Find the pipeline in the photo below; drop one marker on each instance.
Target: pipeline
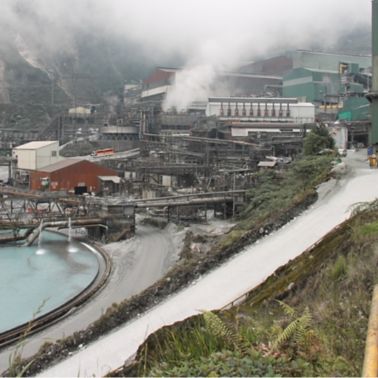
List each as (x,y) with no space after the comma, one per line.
(75,222)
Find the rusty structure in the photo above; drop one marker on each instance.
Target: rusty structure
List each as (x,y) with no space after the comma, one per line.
(22,211)
(107,219)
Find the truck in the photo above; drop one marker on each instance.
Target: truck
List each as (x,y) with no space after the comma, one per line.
(103,152)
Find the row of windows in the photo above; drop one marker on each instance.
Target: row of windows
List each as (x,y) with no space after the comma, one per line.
(278,110)
(119,137)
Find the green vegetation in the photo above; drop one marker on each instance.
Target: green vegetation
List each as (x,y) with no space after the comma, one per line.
(276,191)
(316,328)
(317,141)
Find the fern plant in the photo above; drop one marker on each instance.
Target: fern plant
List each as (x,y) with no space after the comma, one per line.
(298,330)
(219,328)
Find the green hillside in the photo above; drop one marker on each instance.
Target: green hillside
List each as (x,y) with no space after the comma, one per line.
(309,318)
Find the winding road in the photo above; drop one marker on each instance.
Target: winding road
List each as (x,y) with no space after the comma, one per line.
(237,276)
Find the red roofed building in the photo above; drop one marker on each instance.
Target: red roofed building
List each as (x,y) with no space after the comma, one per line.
(161,76)
(72,175)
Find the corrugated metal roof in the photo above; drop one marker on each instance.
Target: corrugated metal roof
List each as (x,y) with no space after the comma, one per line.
(321,71)
(252,76)
(330,53)
(35,145)
(79,110)
(269,164)
(60,164)
(114,179)
(276,100)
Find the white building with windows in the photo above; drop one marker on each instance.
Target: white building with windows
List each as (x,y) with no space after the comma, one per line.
(37,154)
(259,109)
(257,116)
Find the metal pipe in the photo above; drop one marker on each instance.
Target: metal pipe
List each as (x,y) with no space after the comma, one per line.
(78,222)
(370,367)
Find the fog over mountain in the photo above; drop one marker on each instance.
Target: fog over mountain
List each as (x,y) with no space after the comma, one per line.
(91,47)
(195,29)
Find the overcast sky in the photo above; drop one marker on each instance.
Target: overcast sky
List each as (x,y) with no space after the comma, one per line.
(209,35)
(205,28)
(198,29)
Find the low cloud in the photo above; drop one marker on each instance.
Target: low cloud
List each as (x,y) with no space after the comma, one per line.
(208,35)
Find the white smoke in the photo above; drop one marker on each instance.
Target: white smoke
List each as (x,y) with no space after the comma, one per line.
(112,102)
(195,81)
(191,84)
(241,30)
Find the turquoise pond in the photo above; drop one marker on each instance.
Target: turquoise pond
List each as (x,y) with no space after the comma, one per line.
(35,280)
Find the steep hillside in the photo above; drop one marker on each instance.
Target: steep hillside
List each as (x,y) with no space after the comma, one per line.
(308,319)
(26,92)
(34,86)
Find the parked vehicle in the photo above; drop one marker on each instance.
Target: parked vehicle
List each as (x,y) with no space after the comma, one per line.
(342,152)
(103,152)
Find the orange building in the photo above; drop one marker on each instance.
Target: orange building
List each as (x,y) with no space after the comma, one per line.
(71,175)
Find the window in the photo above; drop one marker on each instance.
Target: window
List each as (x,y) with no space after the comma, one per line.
(54,153)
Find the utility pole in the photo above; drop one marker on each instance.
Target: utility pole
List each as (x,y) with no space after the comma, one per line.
(53,89)
(233,195)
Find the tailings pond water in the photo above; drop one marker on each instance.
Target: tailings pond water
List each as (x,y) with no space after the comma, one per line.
(37,279)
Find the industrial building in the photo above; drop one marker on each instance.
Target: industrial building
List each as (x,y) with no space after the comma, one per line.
(259,109)
(31,156)
(275,123)
(324,79)
(73,176)
(354,108)
(311,85)
(118,137)
(313,60)
(35,155)
(82,113)
(326,87)
(158,84)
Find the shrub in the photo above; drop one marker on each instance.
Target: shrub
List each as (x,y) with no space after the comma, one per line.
(318,139)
